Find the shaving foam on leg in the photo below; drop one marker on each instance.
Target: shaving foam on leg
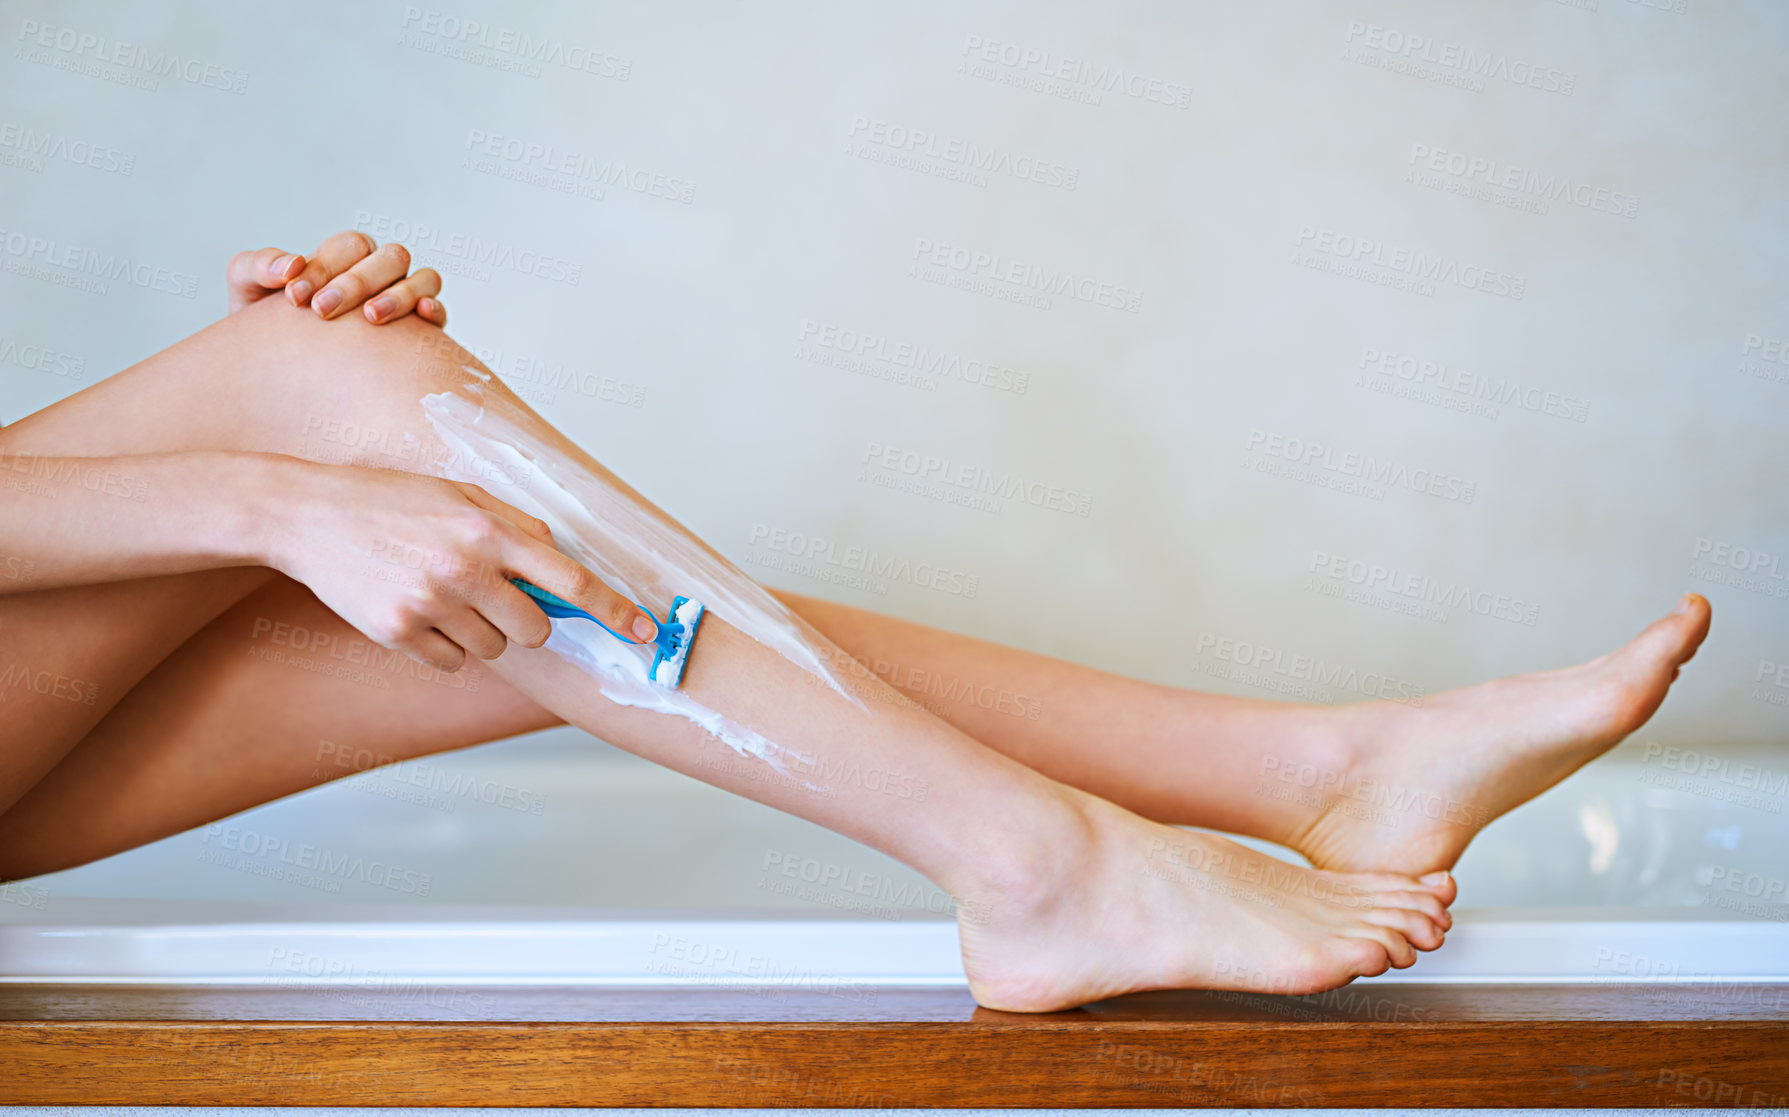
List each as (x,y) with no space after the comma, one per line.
(597,524)
(621,674)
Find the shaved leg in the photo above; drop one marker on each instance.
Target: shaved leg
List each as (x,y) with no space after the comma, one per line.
(1170,754)
(1373,785)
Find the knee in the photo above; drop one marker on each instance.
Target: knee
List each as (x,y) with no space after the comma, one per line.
(407,355)
(348,391)
(417,355)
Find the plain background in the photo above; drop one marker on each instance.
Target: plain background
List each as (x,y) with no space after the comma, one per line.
(1256,181)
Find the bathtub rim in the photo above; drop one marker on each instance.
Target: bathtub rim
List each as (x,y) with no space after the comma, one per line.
(103,942)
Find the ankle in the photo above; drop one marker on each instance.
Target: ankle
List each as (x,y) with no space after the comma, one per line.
(1033,863)
(1296,783)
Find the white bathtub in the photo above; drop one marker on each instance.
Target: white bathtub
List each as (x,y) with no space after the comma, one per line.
(233,944)
(555,859)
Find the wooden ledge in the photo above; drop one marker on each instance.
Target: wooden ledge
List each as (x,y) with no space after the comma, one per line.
(418,1044)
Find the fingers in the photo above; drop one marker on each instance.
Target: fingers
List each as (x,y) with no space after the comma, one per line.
(479,636)
(406,295)
(431,647)
(555,573)
(476,611)
(370,275)
(431,310)
(512,615)
(480,496)
(333,257)
(252,276)
(347,270)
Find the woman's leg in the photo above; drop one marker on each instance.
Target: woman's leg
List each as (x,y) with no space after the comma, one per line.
(257,719)
(1067,897)
(1373,785)
(254,727)
(1357,787)
(276,695)
(70,656)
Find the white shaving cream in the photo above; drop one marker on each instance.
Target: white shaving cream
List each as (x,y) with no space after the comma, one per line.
(597,525)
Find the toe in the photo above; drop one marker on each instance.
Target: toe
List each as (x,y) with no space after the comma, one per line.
(1674,638)
(1441,885)
(1399,953)
(1644,669)
(1362,890)
(1373,884)
(1424,903)
(1698,614)
(1416,928)
(1364,954)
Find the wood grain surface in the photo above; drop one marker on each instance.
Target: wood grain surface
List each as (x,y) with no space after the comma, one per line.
(412,1043)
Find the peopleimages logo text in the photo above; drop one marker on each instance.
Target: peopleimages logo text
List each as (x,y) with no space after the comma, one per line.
(979,157)
(154,61)
(1451,595)
(977,479)
(1367,252)
(1366,467)
(1032,277)
(1455,56)
(536,50)
(423,238)
(81,260)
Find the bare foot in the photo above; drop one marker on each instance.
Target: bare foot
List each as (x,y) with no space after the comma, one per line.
(1132,905)
(1409,787)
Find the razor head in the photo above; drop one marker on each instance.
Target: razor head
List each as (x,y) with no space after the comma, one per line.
(675,637)
(671,648)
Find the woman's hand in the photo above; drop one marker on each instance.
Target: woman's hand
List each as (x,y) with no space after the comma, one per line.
(347,270)
(422,565)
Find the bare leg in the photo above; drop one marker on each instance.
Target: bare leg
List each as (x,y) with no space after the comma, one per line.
(1072,898)
(1282,771)
(1374,785)
(274,696)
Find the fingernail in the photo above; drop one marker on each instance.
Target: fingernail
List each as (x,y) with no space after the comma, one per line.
(382,306)
(299,292)
(283,265)
(1683,605)
(1436,879)
(644,629)
(326,302)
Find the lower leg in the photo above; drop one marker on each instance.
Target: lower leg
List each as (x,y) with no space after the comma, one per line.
(1174,755)
(1373,785)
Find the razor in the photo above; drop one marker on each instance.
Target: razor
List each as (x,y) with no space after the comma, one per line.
(676,633)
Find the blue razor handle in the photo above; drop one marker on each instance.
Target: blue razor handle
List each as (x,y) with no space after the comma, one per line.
(671,646)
